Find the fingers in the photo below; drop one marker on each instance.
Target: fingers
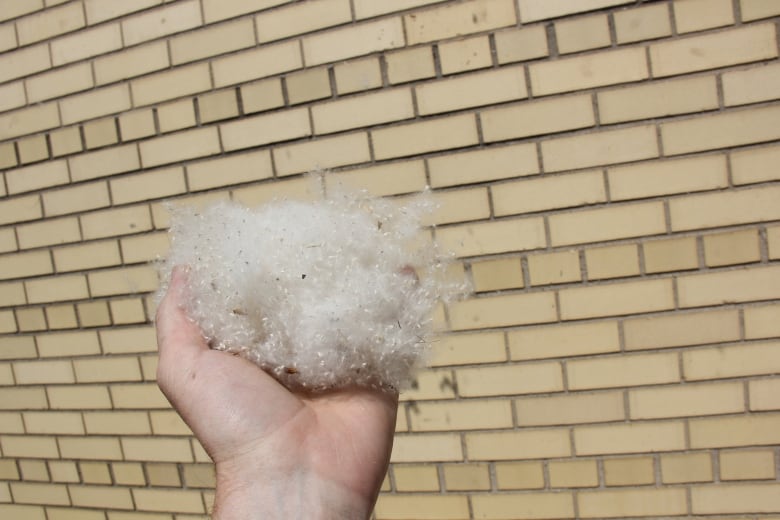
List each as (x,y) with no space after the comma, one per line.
(177,336)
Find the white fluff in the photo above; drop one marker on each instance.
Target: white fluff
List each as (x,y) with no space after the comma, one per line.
(320,294)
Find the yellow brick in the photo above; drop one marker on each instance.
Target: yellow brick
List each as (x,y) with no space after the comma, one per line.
(697,15)
(176,115)
(670,255)
(531,505)
(492,237)
(262,95)
(591,32)
(61,317)
(113,369)
(734,286)
(570,409)
(261,62)
(217,106)
(32,149)
(764,394)
(14,9)
(422,507)
(732,47)
(128,310)
(219,39)
(28,320)
(634,502)
(144,248)
(722,499)
(117,423)
(12,95)
(96,103)
(464,349)
(538,194)
(502,311)
(132,219)
(160,22)
(79,198)
(428,136)
(293,20)
(538,117)
(100,496)
(265,129)
(80,343)
(681,330)
(9,470)
(737,247)
(430,384)
(93,314)
(149,185)
(383,180)
(24,62)
(95,473)
(322,154)
(157,449)
(136,124)
(63,471)
(7,374)
(483,165)
(49,232)
(128,340)
(43,372)
(67,423)
(520,45)
(457,20)
(573,473)
(747,465)
(163,475)
(100,133)
(465,415)
(235,169)
(519,475)
(686,401)
(171,84)
(22,512)
(755,165)
(22,399)
(60,82)
(668,177)
(688,467)
(127,280)
(29,446)
(551,268)
(466,477)
(135,396)
(49,23)
(199,475)
(22,265)
(616,299)
(215,10)
(20,209)
(7,323)
(369,110)
(531,444)
(751,86)
(493,275)
(131,63)
(128,473)
(510,380)
(467,54)
(86,44)
(410,65)
(50,494)
(532,10)
(308,85)
(416,478)
(87,256)
(29,120)
(56,289)
(33,470)
(732,361)
(104,163)
(629,438)
(369,8)
(563,341)
(643,23)
(78,397)
(756,9)
(610,223)
(426,448)
(98,11)
(610,147)
(627,370)
(90,448)
(612,262)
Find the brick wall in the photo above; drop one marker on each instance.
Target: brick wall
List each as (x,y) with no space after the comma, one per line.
(608,178)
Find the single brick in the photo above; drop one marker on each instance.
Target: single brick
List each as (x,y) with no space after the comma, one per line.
(519,475)
(59,82)
(369,8)
(741,430)
(24,62)
(127,280)
(96,103)
(563,340)
(369,110)
(697,15)
(686,401)
(81,343)
(60,288)
(235,169)
(686,467)
(31,178)
(465,349)
(629,471)
(352,41)
(466,477)
(128,340)
(537,505)
(591,70)
(668,177)
(735,498)
(751,86)
(114,222)
(17,347)
(135,396)
(622,371)
(12,95)
(32,149)
(148,185)
(467,54)
(52,423)
(612,262)
(308,85)
(99,11)
(533,10)
(323,153)
(28,120)
(633,502)
(427,136)
(573,473)
(736,247)
(29,319)
(17,398)
(489,164)
(755,165)
(465,415)
(63,471)
(497,274)
(300,19)
(408,507)
(426,448)
(180,146)
(86,44)
(503,311)
(509,380)
(117,423)
(430,385)
(760,322)
(538,117)
(515,445)
(95,473)
(642,23)
(162,86)
(448,21)
(265,129)
(552,268)
(608,223)
(548,192)
(515,45)
(262,95)
(731,361)
(177,115)
(580,34)
(747,465)
(20,209)
(50,23)
(90,448)
(161,22)
(629,438)
(711,51)
(357,75)
(100,497)
(493,237)
(677,330)
(48,232)
(212,41)
(78,397)
(128,310)
(575,408)
(764,394)
(673,254)
(388,179)
(131,62)
(410,65)
(757,9)
(717,288)
(79,198)
(103,132)
(43,372)
(460,206)
(61,317)
(93,314)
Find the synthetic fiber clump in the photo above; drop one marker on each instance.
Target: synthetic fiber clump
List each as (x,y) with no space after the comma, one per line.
(320,294)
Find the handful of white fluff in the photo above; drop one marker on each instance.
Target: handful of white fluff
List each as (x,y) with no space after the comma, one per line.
(319,294)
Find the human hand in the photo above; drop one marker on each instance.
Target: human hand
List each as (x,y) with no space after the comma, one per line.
(278,454)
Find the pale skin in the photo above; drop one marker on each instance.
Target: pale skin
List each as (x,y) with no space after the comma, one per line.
(278,454)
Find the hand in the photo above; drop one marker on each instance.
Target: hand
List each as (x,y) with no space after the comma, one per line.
(277,454)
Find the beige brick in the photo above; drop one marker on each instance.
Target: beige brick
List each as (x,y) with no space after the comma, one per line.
(538,117)
(466,415)
(117,423)
(90,448)
(265,129)
(422,507)
(352,41)
(642,23)
(738,498)
(17,347)
(261,62)
(610,147)
(464,349)
(32,149)
(591,32)
(747,465)
(410,65)
(87,256)
(755,165)
(22,399)
(308,85)
(389,179)
(65,141)
(78,397)
(428,136)
(215,10)
(162,217)
(128,310)
(34,470)
(60,82)
(426,448)
(157,449)
(127,280)
(101,133)
(161,22)
(720,130)
(764,394)
(529,444)
(171,84)
(727,287)
(86,44)
(97,103)
(573,473)
(163,475)
(369,110)
(66,423)
(627,370)
(50,494)
(574,408)
(95,473)
(149,185)
(634,502)
(49,23)
(532,505)
(751,86)
(43,372)
(369,8)
(460,206)
(13,9)
(28,120)
(592,70)
(670,255)
(609,223)
(324,153)
(93,314)
(8,240)
(710,51)
(215,40)
(760,322)
(177,115)
(132,219)
(629,438)
(736,247)
(519,475)
(217,106)
(79,198)
(80,343)
(687,467)
(236,169)
(681,330)
(532,10)
(552,268)
(466,54)
(503,310)
(23,265)
(199,475)
(757,9)
(56,289)
(12,95)
(508,380)
(63,471)
(357,75)
(294,20)
(732,361)
(128,340)
(685,401)
(99,11)
(668,177)
(145,248)
(173,148)
(128,473)
(539,194)
(464,477)
(429,385)
(497,274)
(113,369)
(134,396)
(563,340)
(8,39)
(697,15)
(457,20)
(262,95)
(20,209)
(520,45)
(482,165)
(131,63)
(48,232)
(416,478)
(612,262)
(24,62)
(100,496)
(61,317)
(27,320)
